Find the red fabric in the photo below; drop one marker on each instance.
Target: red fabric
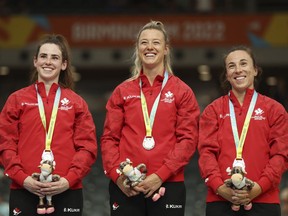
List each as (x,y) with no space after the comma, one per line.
(265,148)
(175,129)
(22,135)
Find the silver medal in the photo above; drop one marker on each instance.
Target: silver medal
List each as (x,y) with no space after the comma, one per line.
(47,155)
(148,143)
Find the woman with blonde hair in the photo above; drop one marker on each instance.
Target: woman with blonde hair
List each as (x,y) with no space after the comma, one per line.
(152,119)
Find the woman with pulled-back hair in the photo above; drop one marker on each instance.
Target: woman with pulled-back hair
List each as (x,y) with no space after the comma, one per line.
(247,131)
(47,123)
(65,77)
(152,119)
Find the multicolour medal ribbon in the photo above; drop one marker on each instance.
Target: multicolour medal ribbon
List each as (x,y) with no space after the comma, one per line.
(47,153)
(148,142)
(240,143)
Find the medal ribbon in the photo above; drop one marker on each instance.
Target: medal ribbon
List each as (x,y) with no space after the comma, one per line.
(50,132)
(149,121)
(240,143)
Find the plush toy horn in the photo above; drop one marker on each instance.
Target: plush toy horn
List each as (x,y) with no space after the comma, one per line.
(228,170)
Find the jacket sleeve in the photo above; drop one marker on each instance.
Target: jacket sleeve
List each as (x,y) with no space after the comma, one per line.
(85,144)
(9,136)
(186,130)
(278,142)
(112,134)
(208,148)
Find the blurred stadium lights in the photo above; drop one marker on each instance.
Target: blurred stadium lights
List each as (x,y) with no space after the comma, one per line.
(271,81)
(4,71)
(204,73)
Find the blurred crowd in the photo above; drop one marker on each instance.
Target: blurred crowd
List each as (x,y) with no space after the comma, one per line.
(8,7)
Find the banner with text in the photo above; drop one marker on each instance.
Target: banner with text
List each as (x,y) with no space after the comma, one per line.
(120,31)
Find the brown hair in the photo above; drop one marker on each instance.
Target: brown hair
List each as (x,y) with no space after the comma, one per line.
(65,78)
(223,80)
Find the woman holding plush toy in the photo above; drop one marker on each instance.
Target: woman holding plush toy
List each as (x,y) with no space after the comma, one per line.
(243,143)
(152,122)
(47,137)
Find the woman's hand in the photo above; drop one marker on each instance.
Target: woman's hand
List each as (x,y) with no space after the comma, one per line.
(33,186)
(149,185)
(239,197)
(226,192)
(127,191)
(236,197)
(45,188)
(53,188)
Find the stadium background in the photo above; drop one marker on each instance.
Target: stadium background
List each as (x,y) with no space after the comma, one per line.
(101,35)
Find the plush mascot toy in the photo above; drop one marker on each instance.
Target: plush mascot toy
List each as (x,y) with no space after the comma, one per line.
(134,175)
(239,181)
(46,167)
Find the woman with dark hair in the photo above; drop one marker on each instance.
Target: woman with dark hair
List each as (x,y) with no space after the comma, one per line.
(245,131)
(43,124)
(152,119)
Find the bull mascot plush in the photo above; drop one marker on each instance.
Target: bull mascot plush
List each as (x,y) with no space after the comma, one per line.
(239,181)
(47,167)
(134,175)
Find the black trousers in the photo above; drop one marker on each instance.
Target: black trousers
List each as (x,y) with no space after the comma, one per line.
(258,209)
(171,204)
(24,203)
